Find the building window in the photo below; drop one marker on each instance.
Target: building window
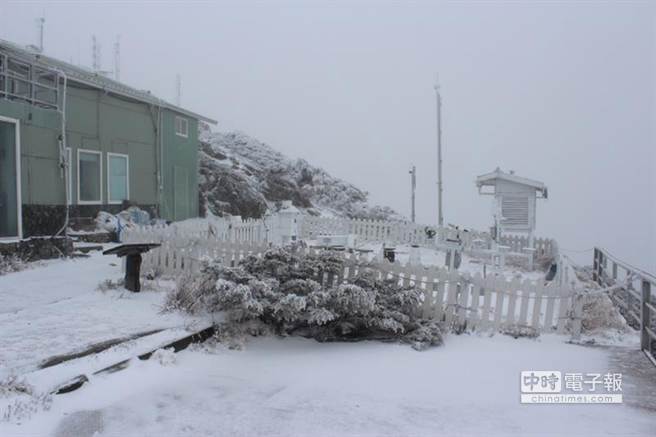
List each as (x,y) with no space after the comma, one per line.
(181,127)
(89,176)
(118,177)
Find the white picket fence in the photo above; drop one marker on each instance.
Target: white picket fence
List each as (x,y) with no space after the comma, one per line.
(263,231)
(182,234)
(542,246)
(394,232)
(255,231)
(460,300)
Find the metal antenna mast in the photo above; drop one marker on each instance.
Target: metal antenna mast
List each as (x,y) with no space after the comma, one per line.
(40,22)
(178,90)
(117,58)
(413,186)
(438,98)
(95,54)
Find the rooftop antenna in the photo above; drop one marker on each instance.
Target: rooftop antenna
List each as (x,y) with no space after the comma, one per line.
(117,58)
(438,101)
(413,186)
(40,23)
(178,89)
(95,53)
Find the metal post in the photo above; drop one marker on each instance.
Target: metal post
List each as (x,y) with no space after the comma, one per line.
(117,58)
(40,22)
(178,89)
(438,97)
(95,53)
(413,186)
(595,265)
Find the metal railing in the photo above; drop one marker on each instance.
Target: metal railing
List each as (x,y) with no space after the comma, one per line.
(632,293)
(24,81)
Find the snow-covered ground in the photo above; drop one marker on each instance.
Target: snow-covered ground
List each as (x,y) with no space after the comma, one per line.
(56,308)
(291,386)
(296,387)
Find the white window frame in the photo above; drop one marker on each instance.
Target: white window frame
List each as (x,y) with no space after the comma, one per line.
(127,175)
(89,202)
(19,198)
(184,134)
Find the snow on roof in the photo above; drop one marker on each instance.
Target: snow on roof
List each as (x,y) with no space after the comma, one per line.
(491,178)
(92,78)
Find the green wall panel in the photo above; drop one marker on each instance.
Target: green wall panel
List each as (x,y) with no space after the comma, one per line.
(103,122)
(183,153)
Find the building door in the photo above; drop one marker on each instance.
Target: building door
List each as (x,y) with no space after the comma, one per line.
(10,205)
(180,194)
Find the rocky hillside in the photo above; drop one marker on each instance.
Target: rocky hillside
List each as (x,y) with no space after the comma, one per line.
(240,175)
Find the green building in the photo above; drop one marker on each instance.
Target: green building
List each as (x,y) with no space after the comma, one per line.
(73,139)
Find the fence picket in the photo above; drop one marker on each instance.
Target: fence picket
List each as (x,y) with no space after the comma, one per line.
(549,314)
(486,312)
(463,303)
(523,303)
(498,303)
(475,317)
(536,314)
(563,305)
(513,289)
(452,295)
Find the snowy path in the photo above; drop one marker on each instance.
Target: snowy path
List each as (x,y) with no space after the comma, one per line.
(56,308)
(299,387)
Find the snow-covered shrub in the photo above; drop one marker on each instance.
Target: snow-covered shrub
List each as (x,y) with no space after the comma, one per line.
(517,331)
(427,334)
(26,401)
(165,357)
(352,299)
(109,284)
(14,384)
(543,262)
(282,289)
(154,273)
(10,264)
(600,315)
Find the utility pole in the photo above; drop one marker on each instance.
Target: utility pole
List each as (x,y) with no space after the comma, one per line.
(438,99)
(413,186)
(178,90)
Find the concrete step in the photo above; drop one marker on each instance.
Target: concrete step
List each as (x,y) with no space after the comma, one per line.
(85,247)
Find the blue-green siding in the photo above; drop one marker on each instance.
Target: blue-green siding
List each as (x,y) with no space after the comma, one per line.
(103,122)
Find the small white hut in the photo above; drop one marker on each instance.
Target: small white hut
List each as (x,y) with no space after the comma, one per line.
(284,225)
(514,201)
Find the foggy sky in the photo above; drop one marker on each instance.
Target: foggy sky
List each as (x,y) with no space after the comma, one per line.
(562,93)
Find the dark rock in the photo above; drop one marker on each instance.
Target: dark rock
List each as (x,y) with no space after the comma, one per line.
(36,248)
